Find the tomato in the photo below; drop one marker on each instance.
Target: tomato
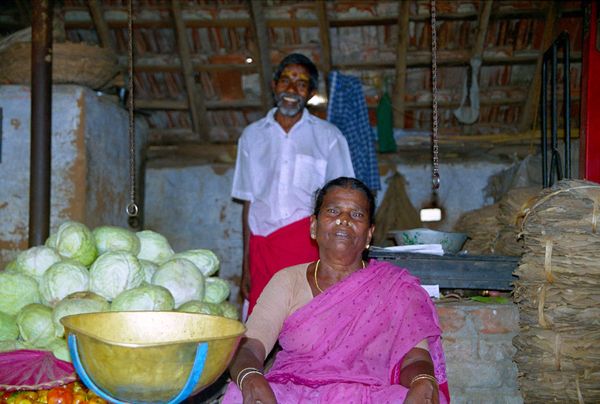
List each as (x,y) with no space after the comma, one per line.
(4,396)
(96,400)
(60,395)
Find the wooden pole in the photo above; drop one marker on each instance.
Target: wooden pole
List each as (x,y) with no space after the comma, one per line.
(263,55)
(402,51)
(194,95)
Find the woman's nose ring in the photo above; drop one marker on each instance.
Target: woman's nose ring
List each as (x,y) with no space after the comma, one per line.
(339,222)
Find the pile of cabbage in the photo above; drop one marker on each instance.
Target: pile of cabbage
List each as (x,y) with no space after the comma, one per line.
(108,269)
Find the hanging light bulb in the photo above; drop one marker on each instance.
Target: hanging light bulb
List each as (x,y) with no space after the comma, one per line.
(433,211)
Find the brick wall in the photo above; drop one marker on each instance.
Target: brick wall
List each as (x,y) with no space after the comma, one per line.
(478,347)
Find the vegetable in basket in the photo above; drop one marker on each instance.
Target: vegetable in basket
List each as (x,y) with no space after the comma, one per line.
(17,291)
(114,272)
(74,240)
(62,279)
(154,247)
(182,278)
(144,298)
(114,238)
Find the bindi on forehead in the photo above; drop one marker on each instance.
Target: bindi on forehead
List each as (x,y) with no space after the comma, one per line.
(294,75)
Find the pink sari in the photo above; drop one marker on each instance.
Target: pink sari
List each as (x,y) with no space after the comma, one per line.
(346,345)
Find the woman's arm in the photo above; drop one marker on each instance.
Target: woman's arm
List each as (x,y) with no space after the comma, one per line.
(246,370)
(422,389)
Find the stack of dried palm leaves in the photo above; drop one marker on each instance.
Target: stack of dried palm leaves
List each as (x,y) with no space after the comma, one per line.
(512,204)
(482,227)
(558,345)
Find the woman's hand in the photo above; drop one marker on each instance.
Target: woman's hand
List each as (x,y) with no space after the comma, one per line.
(256,389)
(421,392)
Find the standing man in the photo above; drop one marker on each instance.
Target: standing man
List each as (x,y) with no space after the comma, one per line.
(282,159)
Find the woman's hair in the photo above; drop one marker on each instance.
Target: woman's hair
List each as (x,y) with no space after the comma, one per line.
(348,183)
(299,59)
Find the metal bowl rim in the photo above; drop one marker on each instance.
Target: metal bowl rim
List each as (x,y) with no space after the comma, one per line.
(74,330)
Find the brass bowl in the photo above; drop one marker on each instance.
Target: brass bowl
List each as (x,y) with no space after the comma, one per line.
(147,356)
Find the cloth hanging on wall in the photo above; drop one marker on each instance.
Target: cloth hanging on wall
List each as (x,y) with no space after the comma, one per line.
(385,126)
(348,111)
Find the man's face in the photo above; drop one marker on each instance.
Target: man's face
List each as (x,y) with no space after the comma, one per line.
(292,90)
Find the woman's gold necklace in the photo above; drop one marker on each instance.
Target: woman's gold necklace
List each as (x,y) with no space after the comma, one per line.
(317,270)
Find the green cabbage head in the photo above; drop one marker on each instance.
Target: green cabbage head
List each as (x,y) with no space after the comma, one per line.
(230,310)
(11,267)
(114,272)
(35,324)
(62,279)
(77,303)
(149,269)
(216,290)
(51,241)
(196,306)
(75,240)
(206,260)
(11,345)
(8,327)
(17,291)
(144,298)
(154,247)
(114,238)
(59,348)
(182,278)
(35,261)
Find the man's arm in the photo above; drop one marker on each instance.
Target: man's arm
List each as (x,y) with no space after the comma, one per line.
(245,282)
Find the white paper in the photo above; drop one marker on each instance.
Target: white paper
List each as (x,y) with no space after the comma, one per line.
(433,290)
(433,249)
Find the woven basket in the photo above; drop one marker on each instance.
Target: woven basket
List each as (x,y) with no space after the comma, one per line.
(72,63)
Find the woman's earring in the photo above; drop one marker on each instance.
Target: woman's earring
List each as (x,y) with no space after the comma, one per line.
(313,236)
(367,246)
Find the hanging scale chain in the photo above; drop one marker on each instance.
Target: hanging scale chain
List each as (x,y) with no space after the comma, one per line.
(132,208)
(434,136)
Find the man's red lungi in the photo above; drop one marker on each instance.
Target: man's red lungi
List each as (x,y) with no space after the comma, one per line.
(290,245)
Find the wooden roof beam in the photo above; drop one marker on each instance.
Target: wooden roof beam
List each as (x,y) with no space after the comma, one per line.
(398,97)
(530,110)
(194,95)
(263,55)
(102,29)
(325,42)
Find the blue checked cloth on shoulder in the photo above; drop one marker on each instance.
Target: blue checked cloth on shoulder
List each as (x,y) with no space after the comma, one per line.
(348,111)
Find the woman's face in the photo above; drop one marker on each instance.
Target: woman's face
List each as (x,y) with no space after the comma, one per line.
(343,221)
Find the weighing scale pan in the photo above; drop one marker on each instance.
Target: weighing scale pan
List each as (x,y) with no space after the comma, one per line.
(149,356)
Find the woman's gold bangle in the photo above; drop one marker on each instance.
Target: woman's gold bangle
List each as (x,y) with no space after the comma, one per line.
(424,376)
(258,372)
(241,374)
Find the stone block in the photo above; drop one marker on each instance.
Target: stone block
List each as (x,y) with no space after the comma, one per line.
(474,374)
(452,317)
(496,319)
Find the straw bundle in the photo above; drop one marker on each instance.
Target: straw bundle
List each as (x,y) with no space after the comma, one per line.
(72,63)
(482,227)
(558,354)
(396,212)
(509,219)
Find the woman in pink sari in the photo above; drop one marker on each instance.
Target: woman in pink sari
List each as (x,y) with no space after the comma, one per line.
(350,331)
